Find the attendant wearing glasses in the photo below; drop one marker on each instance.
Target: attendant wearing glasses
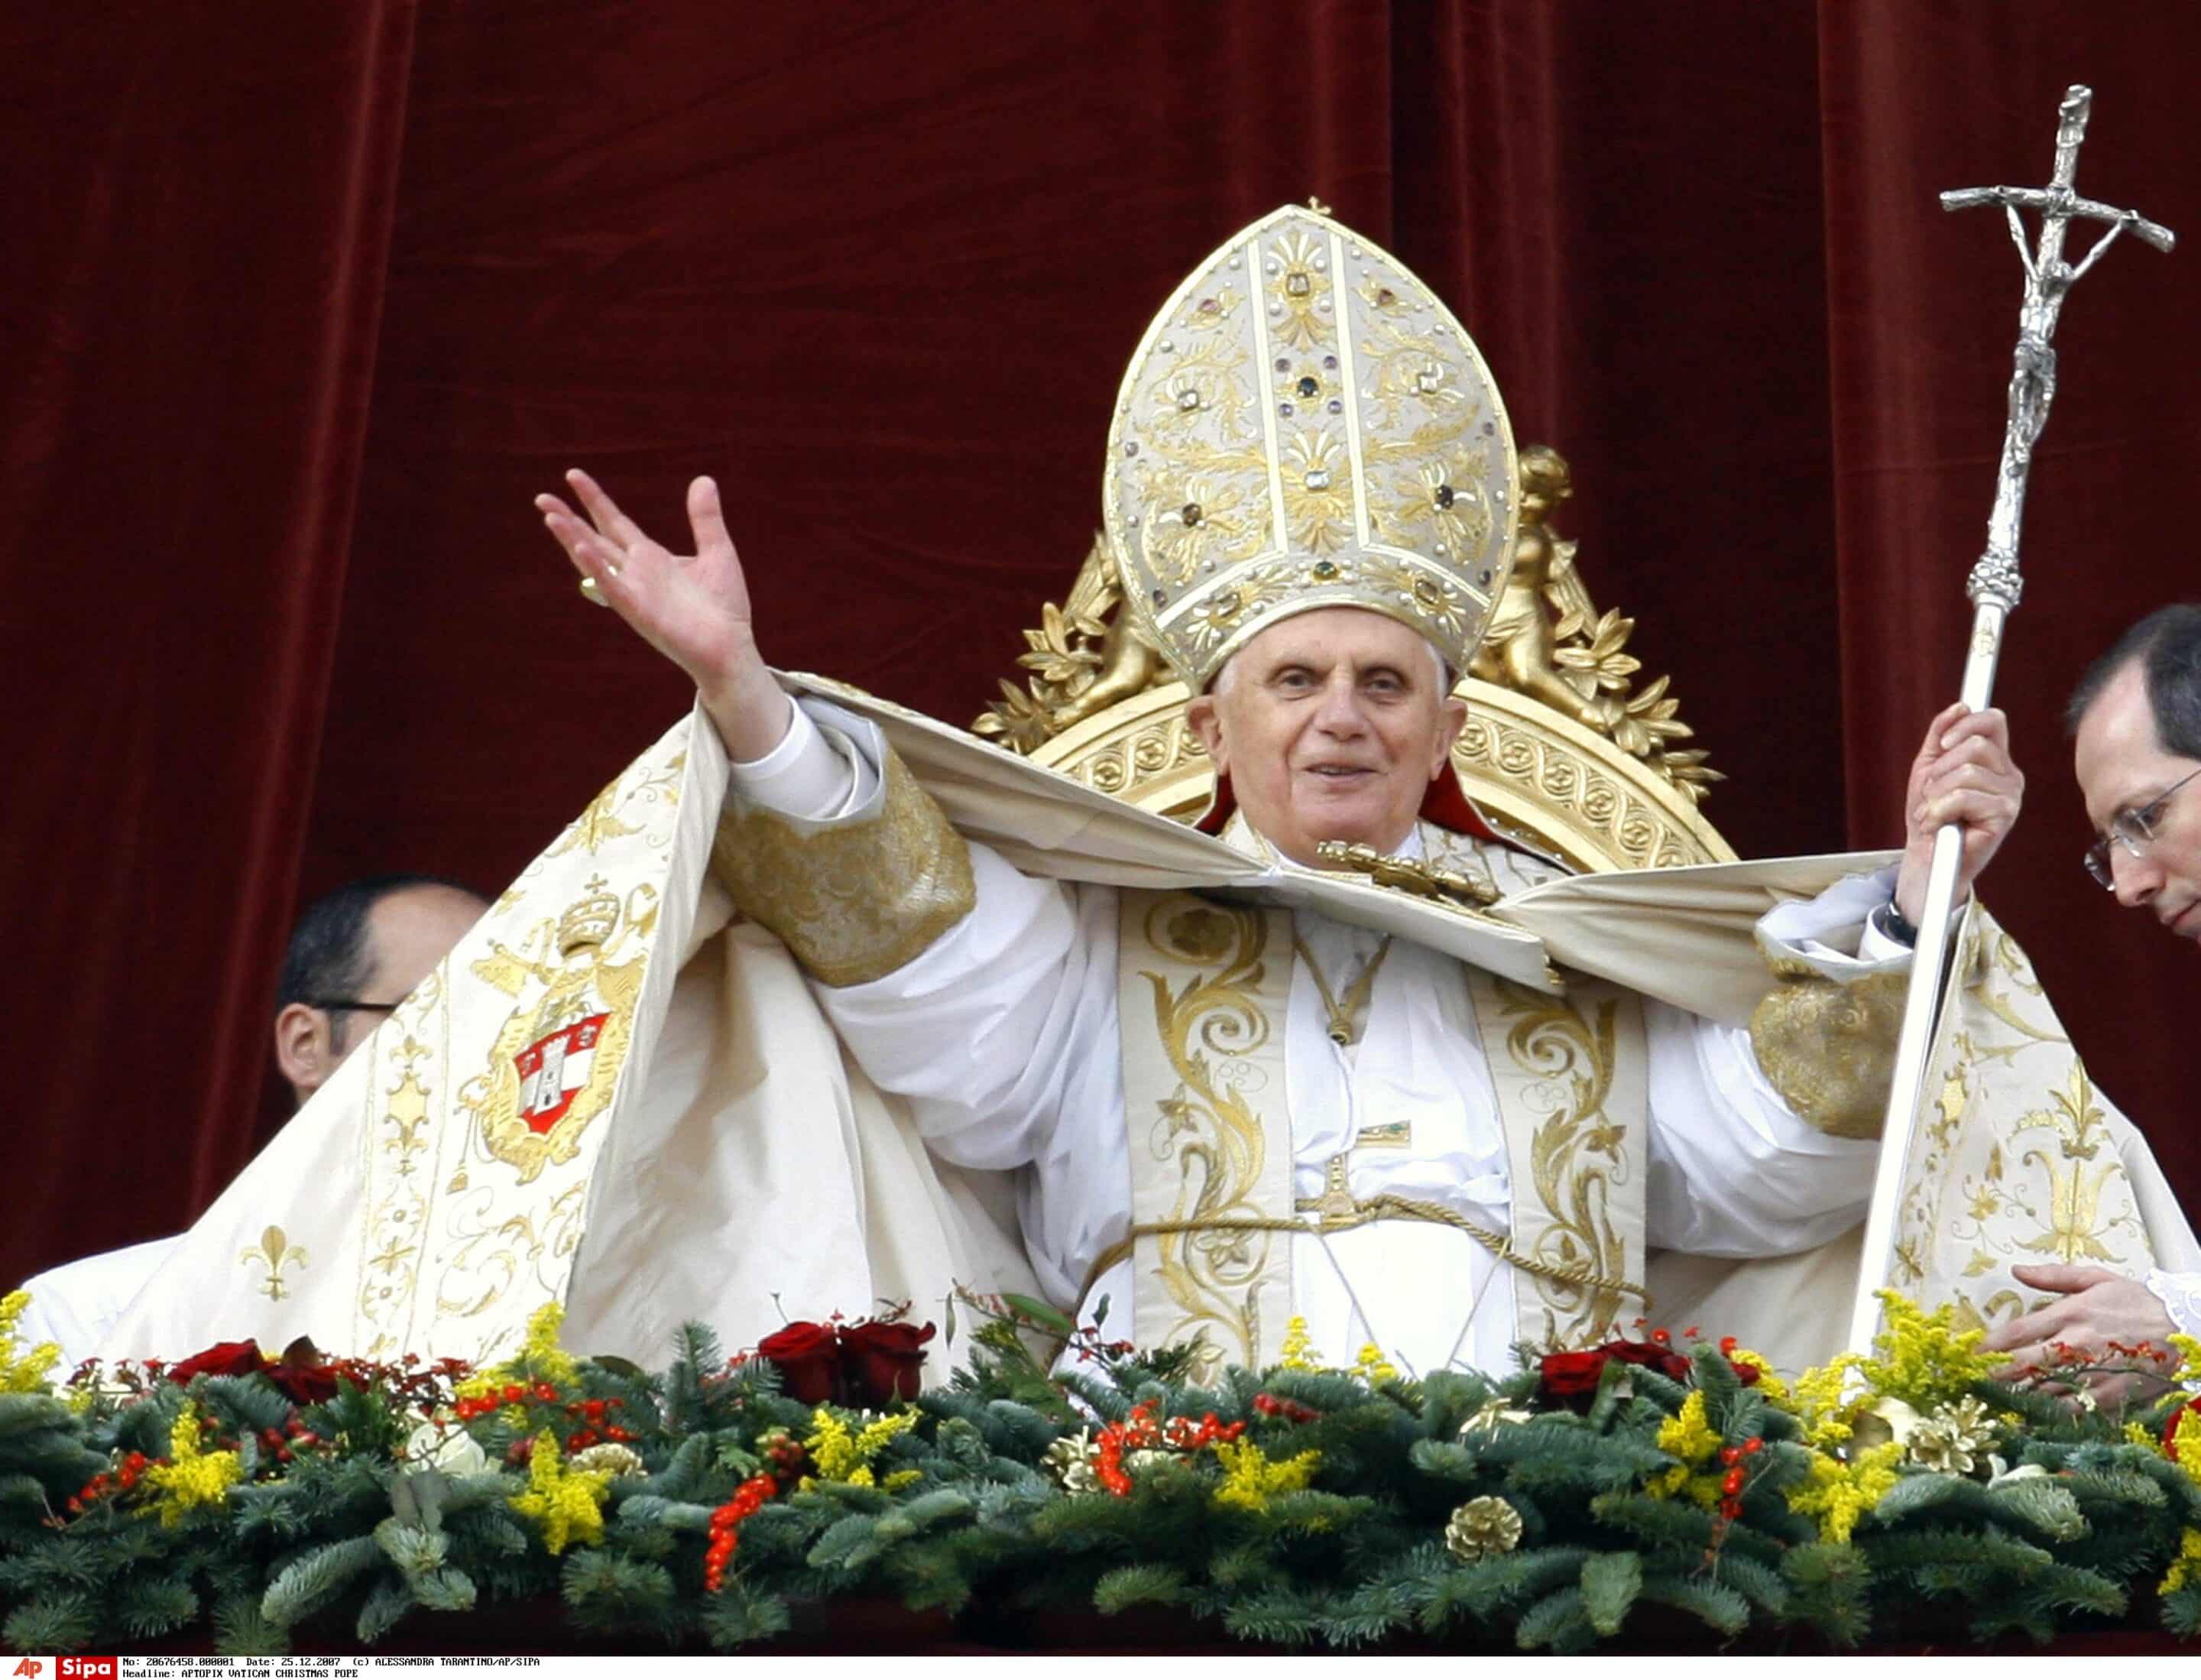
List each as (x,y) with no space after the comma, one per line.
(2136,720)
(351,960)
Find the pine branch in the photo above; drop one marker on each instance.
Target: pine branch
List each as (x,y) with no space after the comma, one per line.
(1560,1620)
(1119,1589)
(1656,1522)
(2182,1611)
(59,1622)
(1610,1583)
(1756,1581)
(739,1614)
(1280,1616)
(240,1631)
(311,1581)
(388,1605)
(151,1608)
(1715,1604)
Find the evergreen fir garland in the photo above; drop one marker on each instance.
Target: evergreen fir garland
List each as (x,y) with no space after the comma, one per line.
(1554,1508)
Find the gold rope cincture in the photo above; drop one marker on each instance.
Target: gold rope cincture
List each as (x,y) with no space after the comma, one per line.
(1384,1207)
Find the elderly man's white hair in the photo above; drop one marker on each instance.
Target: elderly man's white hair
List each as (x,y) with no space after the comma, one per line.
(1228,675)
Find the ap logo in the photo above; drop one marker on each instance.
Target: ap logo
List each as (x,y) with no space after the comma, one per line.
(30,1667)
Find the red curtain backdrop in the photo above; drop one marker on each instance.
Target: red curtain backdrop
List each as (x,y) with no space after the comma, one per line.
(303,303)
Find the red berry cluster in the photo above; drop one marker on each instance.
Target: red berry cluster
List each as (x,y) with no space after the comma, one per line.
(726,1520)
(1142,1431)
(285,1443)
(1269,1405)
(512,1394)
(785,1451)
(1731,1484)
(591,1415)
(120,1480)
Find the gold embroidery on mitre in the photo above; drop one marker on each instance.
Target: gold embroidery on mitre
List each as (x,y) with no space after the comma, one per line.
(1304,424)
(1203,1176)
(555,1064)
(1829,1046)
(854,900)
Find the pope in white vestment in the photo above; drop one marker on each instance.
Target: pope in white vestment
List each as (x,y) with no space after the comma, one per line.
(1227,1084)
(1005,1033)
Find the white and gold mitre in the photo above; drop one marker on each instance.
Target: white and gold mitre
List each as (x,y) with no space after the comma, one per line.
(1306,425)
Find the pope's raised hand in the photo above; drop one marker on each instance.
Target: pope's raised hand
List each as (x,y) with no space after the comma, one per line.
(693,608)
(1964,774)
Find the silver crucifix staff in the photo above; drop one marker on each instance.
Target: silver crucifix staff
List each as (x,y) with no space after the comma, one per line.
(1993,588)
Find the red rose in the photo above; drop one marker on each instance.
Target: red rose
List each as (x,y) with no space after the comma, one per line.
(1747,1375)
(1652,1355)
(884,1360)
(1567,1375)
(224,1359)
(809,1360)
(308,1383)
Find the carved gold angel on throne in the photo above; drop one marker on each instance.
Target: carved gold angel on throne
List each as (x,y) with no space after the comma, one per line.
(1327,931)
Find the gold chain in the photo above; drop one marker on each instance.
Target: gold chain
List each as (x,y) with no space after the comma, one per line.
(1344,1018)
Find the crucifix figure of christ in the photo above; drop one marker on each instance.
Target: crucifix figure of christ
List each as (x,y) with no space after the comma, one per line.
(1994,589)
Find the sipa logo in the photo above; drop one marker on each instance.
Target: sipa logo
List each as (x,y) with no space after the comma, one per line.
(87,1668)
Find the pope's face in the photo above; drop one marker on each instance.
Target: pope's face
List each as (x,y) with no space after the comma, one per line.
(1330,724)
(2121,765)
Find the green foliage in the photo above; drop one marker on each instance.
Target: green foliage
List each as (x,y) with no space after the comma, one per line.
(739,1615)
(312,1581)
(151,1608)
(1609,1583)
(969,1507)
(240,1630)
(1139,1584)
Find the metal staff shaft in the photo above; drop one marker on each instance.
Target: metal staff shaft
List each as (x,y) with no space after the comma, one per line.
(1993,587)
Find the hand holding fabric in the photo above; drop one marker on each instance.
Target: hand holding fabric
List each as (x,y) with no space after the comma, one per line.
(1964,774)
(693,608)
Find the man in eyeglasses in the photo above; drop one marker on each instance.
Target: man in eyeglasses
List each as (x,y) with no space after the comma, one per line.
(353,956)
(2136,719)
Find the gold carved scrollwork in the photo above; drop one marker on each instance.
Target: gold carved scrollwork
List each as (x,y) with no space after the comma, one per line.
(1548,640)
(1085,657)
(1576,1157)
(1207,1128)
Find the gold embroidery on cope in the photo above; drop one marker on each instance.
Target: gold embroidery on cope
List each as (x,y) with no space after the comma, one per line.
(1829,1048)
(854,901)
(1577,1251)
(275,1251)
(605,819)
(1207,1130)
